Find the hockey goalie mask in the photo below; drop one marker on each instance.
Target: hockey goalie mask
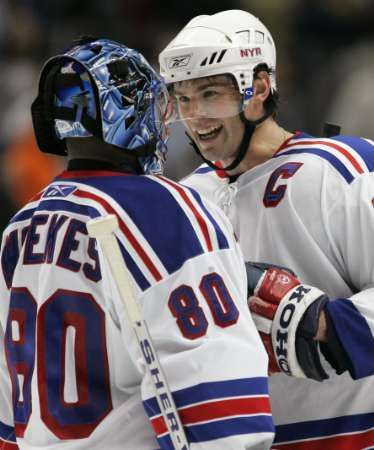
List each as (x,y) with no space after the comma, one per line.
(231,42)
(103,89)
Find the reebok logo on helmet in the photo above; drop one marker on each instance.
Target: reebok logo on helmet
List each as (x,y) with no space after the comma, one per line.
(179,61)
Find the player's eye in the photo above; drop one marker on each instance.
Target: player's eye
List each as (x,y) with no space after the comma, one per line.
(182,99)
(210,94)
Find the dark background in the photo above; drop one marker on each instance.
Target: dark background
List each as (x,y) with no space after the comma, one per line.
(325,68)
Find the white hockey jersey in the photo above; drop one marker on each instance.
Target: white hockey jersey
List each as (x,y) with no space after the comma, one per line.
(311,208)
(77,378)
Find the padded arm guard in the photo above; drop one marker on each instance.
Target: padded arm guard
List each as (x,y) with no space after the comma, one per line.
(286,314)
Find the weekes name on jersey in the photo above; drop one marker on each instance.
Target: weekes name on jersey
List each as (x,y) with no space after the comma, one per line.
(40,238)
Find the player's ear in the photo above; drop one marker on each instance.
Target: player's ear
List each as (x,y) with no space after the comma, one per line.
(261,86)
(261,91)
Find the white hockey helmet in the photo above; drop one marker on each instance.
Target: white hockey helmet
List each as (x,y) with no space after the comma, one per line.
(229,42)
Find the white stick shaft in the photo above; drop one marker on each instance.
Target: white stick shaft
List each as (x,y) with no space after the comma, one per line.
(103,229)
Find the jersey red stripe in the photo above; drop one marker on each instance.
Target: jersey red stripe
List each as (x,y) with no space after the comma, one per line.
(220,172)
(225,408)
(337,147)
(159,425)
(202,223)
(125,230)
(34,199)
(219,409)
(6,445)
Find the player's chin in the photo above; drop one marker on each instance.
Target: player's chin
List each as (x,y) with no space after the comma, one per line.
(210,153)
(211,149)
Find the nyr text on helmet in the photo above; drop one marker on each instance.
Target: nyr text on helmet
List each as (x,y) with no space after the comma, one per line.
(250,52)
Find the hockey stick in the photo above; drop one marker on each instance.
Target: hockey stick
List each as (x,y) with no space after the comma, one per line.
(102,229)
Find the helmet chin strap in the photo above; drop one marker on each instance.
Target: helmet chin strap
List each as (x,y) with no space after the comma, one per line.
(250,126)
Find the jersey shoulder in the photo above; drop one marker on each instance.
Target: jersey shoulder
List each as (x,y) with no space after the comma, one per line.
(208,182)
(205,176)
(162,223)
(348,157)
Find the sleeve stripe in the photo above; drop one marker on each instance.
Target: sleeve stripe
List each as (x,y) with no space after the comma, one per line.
(4,445)
(225,408)
(165,442)
(200,220)
(357,441)
(222,239)
(330,144)
(217,410)
(203,392)
(209,233)
(230,427)
(350,323)
(333,160)
(224,428)
(323,428)
(7,433)
(348,156)
(125,230)
(204,409)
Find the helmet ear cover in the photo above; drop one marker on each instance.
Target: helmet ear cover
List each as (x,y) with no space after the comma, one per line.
(44,111)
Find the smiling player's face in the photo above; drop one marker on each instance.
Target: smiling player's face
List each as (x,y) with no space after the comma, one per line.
(209,108)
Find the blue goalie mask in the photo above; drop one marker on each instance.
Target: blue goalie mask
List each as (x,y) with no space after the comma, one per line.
(104,89)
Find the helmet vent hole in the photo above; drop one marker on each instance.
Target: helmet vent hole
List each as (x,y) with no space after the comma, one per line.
(118,69)
(244,36)
(221,56)
(129,121)
(96,49)
(213,57)
(259,37)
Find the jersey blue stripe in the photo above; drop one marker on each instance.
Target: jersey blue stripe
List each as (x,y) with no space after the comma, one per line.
(222,241)
(156,213)
(333,160)
(166,442)
(202,170)
(212,391)
(7,433)
(56,205)
(219,429)
(349,325)
(362,147)
(323,427)
(23,215)
(68,206)
(140,279)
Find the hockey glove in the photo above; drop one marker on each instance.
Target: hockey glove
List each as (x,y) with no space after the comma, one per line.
(286,314)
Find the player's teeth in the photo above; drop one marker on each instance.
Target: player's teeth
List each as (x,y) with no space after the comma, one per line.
(208,130)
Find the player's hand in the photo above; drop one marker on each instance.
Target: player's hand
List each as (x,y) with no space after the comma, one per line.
(287,315)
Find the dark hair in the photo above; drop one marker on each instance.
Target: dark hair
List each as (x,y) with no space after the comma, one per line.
(272,102)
